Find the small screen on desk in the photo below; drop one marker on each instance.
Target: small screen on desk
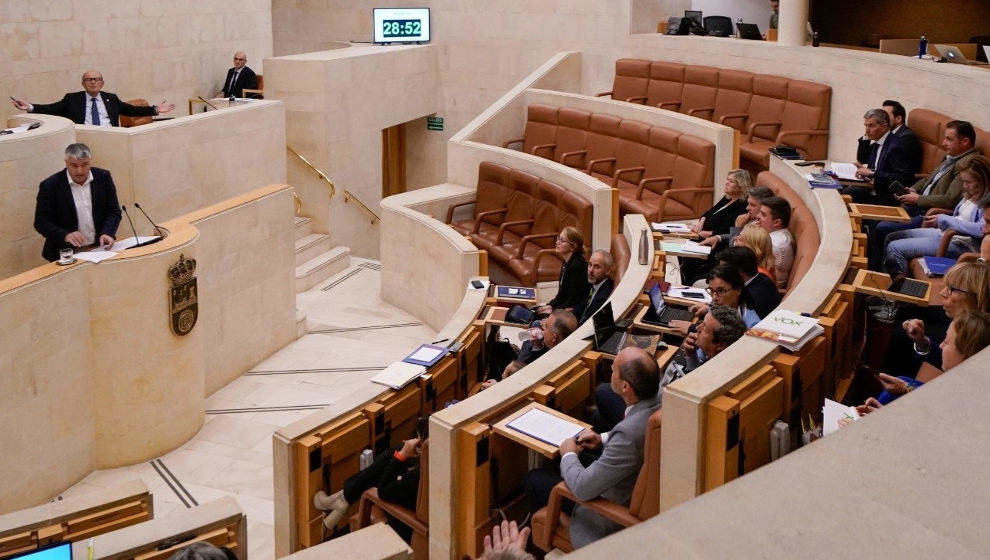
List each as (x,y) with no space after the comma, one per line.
(60,551)
(401,25)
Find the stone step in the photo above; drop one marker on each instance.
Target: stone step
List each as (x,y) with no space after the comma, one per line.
(311,245)
(301,326)
(321,267)
(303,227)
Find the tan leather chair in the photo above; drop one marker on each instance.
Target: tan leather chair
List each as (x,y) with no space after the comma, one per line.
(735,92)
(572,135)
(551,526)
(666,85)
(373,509)
(128,122)
(631,79)
(700,87)
(256,93)
(619,248)
(539,136)
(625,168)
(803,121)
(603,137)
(518,217)
(905,47)
(677,181)
(489,202)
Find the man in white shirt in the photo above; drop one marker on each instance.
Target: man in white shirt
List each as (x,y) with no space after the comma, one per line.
(775,216)
(93,106)
(77,207)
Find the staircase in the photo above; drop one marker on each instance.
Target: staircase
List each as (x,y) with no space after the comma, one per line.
(316,258)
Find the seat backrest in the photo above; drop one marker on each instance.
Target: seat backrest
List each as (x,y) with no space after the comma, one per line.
(695,162)
(735,90)
(572,131)
(807,107)
(907,47)
(983,141)
(632,75)
(127,122)
(666,82)
(492,191)
(541,127)
(720,26)
(700,87)
(634,143)
(619,248)
(579,209)
(521,200)
(767,103)
(645,502)
(423,490)
(603,136)
(927,126)
(662,156)
(547,212)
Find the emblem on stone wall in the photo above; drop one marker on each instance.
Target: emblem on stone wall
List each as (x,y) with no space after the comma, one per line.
(182,299)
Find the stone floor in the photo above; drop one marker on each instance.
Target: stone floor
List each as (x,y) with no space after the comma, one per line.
(232,454)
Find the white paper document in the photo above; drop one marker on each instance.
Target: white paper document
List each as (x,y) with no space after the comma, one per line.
(94,256)
(678,292)
(398,374)
(671,226)
(832,412)
(695,247)
(130,242)
(17,129)
(425,354)
(545,427)
(845,171)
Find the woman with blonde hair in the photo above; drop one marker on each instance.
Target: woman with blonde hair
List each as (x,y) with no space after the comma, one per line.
(717,221)
(757,239)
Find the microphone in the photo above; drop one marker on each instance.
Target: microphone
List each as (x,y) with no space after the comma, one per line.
(124,208)
(158,229)
(200,97)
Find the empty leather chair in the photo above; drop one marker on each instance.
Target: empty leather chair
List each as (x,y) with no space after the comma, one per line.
(766,109)
(539,136)
(631,78)
(127,122)
(666,85)
(489,202)
(658,175)
(735,92)
(719,26)
(625,169)
(517,219)
(700,87)
(603,137)
(619,248)
(572,135)
(806,117)
(550,524)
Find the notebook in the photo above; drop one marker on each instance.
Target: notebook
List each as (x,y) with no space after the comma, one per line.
(398,374)
(936,266)
(545,427)
(426,355)
(787,328)
(518,292)
(832,412)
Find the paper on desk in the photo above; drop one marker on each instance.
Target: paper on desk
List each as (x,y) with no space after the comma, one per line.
(671,246)
(425,354)
(832,412)
(695,247)
(398,374)
(671,227)
(545,427)
(845,171)
(678,292)
(22,128)
(94,256)
(130,242)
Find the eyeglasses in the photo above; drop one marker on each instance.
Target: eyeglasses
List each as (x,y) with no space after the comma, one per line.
(238,59)
(561,240)
(92,79)
(719,291)
(957,290)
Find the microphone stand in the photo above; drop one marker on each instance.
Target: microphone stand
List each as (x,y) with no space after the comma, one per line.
(158,229)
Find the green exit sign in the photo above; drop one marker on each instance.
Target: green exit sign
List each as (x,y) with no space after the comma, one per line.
(434,123)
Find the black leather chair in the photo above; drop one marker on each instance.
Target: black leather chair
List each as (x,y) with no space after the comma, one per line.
(718,26)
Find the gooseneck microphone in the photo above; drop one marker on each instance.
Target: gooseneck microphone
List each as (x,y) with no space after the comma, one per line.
(200,97)
(136,238)
(158,229)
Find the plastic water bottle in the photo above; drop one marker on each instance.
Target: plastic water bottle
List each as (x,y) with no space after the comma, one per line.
(366,459)
(923,47)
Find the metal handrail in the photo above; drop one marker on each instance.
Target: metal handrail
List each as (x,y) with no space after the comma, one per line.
(349,197)
(333,189)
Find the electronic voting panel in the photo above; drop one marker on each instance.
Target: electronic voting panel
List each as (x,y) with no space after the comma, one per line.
(401,25)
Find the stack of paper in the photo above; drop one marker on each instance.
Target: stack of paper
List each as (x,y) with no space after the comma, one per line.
(131,241)
(670,227)
(786,328)
(832,412)
(845,171)
(94,256)
(545,427)
(678,292)
(426,355)
(398,374)
(695,247)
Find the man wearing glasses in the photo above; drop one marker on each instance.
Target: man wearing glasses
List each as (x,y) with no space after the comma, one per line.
(239,77)
(93,106)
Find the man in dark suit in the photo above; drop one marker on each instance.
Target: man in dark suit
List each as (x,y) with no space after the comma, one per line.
(760,293)
(889,160)
(77,207)
(93,106)
(635,378)
(899,128)
(239,77)
(600,267)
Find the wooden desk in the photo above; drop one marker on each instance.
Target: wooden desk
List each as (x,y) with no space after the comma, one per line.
(639,324)
(495,315)
(660,234)
(875,284)
(880,212)
(658,244)
(502,428)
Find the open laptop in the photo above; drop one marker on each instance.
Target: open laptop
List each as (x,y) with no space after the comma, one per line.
(608,337)
(696,16)
(659,313)
(749,31)
(952,54)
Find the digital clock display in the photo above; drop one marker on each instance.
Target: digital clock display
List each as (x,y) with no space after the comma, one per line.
(401,25)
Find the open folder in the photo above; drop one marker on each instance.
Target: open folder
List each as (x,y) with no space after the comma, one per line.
(398,374)
(545,427)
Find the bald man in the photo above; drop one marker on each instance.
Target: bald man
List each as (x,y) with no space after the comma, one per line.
(239,77)
(93,106)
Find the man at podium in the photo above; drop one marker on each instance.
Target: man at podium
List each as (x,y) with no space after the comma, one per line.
(77,206)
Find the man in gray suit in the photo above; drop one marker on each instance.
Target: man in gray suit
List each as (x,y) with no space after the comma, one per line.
(636,378)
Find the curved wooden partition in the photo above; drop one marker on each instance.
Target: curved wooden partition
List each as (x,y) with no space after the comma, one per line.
(419,253)
(455,431)
(26,159)
(95,370)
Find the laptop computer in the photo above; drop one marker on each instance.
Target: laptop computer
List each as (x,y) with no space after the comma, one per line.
(952,54)
(659,313)
(608,337)
(749,31)
(695,15)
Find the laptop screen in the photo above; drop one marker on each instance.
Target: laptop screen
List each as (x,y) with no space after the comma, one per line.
(694,14)
(604,323)
(656,299)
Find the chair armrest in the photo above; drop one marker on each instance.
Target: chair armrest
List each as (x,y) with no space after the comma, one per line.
(529,239)
(710,110)
(565,155)
(639,99)
(675,104)
(638,170)
(753,126)
(652,181)
(252,92)
(503,225)
(539,257)
(406,516)
(477,219)
(603,94)
(606,508)
(594,162)
(450,211)
(692,193)
(743,116)
(543,147)
(806,132)
(943,245)
(513,141)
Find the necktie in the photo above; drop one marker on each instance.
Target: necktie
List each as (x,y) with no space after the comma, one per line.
(94,114)
(874,152)
(937,175)
(233,79)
